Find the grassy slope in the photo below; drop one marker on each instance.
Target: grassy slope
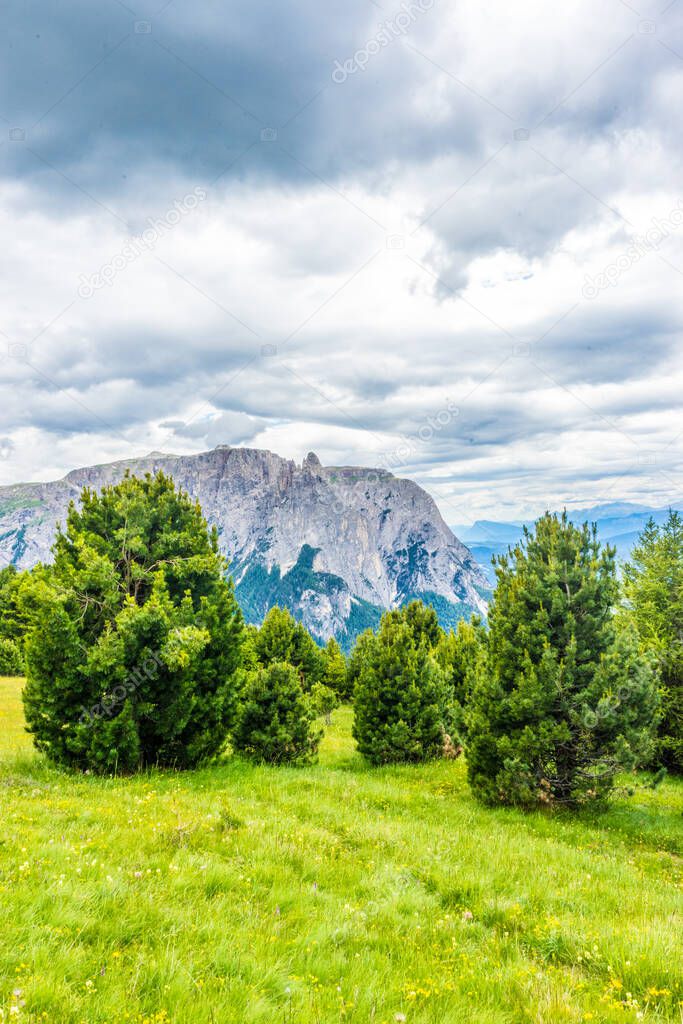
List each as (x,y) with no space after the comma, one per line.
(329,894)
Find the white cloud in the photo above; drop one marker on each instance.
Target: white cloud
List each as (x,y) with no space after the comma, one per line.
(399,246)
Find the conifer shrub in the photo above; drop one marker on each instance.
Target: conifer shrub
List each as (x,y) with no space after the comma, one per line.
(276,720)
(422,621)
(282,638)
(136,638)
(401,705)
(355,660)
(334,674)
(11,659)
(324,701)
(563,701)
(653,585)
(458,653)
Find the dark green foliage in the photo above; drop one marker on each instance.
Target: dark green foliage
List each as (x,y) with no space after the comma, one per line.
(11,659)
(136,641)
(9,628)
(282,638)
(653,584)
(334,675)
(355,660)
(257,589)
(422,621)
(276,722)
(14,610)
(401,706)
(249,660)
(302,576)
(458,654)
(561,703)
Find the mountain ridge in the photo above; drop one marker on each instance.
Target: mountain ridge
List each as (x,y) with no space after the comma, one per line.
(336,544)
(618,523)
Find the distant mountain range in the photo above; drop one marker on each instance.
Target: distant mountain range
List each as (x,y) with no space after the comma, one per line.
(620,523)
(335,544)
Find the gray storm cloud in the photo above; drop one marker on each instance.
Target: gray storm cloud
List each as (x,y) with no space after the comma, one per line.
(369,247)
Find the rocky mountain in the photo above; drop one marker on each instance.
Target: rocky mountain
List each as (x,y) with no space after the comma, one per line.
(335,544)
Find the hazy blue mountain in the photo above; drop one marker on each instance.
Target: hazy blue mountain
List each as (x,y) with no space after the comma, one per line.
(620,523)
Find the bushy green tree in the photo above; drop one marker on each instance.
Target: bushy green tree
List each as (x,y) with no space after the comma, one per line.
(282,638)
(562,702)
(324,701)
(458,653)
(11,659)
(136,637)
(401,707)
(250,662)
(355,660)
(14,618)
(276,721)
(653,586)
(10,628)
(422,621)
(334,674)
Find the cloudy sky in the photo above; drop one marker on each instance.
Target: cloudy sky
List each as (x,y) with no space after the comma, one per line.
(441,237)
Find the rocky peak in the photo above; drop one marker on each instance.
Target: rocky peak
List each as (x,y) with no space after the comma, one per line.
(337,544)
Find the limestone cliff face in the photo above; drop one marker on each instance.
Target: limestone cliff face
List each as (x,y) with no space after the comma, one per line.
(335,544)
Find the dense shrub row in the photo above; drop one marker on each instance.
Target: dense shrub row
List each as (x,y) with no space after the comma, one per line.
(136,654)
(569,683)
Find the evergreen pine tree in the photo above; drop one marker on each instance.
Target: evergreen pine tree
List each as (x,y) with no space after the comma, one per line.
(653,585)
(136,636)
(401,703)
(561,703)
(11,660)
(334,675)
(422,621)
(282,638)
(276,722)
(355,660)
(458,654)
(324,701)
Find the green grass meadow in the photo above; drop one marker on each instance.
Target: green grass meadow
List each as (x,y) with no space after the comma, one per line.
(335,893)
